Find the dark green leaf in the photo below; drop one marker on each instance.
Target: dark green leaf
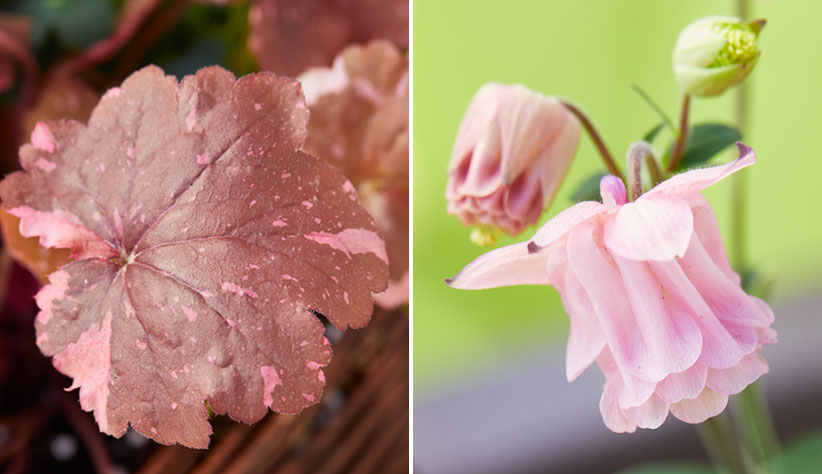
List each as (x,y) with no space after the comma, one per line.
(75,23)
(803,456)
(705,141)
(670,468)
(756,284)
(588,190)
(652,133)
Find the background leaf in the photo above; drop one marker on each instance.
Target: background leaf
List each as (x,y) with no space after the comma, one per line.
(652,133)
(704,142)
(803,456)
(670,468)
(588,190)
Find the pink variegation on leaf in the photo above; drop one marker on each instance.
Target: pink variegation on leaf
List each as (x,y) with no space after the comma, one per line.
(204,241)
(512,151)
(651,298)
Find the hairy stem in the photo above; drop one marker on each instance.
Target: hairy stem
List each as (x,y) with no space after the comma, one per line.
(638,152)
(596,138)
(682,137)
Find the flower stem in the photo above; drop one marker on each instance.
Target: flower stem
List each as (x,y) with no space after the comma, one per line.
(596,138)
(638,151)
(682,137)
(755,424)
(718,439)
(752,416)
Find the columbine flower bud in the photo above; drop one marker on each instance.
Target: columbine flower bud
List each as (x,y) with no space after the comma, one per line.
(715,53)
(512,151)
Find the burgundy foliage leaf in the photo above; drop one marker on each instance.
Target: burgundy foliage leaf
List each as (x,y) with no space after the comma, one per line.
(289,36)
(203,240)
(359,122)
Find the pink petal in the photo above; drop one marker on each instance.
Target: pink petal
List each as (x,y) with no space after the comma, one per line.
(585,338)
(612,190)
(766,335)
(734,380)
(699,179)
(505,266)
(481,112)
(650,228)
(723,345)
(671,338)
(613,417)
(484,174)
(650,414)
(708,404)
(683,385)
(724,296)
(556,159)
(603,284)
(564,222)
(707,230)
(529,121)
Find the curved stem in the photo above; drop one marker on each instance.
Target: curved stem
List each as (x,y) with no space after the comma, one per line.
(596,138)
(679,144)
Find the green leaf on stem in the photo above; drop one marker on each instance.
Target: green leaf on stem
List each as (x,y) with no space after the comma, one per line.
(652,133)
(655,107)
(802,456)
(670,468)
(756,284)
(588,189)
(704,142)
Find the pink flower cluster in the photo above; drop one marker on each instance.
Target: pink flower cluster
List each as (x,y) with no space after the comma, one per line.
(651,297)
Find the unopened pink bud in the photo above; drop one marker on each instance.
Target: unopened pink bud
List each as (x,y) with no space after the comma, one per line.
(513,149)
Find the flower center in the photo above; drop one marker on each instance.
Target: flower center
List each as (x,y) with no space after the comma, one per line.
(740,46)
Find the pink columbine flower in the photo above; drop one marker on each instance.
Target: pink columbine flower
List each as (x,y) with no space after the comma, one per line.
(512,151)
(651,298)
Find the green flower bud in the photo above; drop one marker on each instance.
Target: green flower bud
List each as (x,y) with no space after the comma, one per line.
(715,53)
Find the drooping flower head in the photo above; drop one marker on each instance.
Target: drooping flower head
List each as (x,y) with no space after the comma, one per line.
(715,53)
(512,151)
(651,298)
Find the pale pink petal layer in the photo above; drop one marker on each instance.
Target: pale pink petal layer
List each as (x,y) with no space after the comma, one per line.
(650,414)
(734,380)
(696,180)
(708,404)
(478,117)
(686,384)
(650,228)
(564,222)
(505,266)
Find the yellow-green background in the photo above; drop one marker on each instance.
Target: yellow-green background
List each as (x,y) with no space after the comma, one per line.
(591,51)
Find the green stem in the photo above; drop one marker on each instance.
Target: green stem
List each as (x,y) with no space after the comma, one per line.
(682,137)
(596,138)
(719,441)
(753,420)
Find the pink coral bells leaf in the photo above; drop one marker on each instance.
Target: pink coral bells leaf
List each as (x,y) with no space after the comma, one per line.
(203,239)
(651,298)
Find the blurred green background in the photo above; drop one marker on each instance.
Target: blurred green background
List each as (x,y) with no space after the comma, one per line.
(592,51)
